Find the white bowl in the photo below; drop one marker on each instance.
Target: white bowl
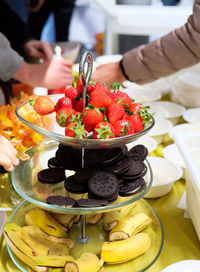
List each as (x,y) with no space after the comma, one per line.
(183,128)
(168,110)
(142,94)
(172,154)
(107,59)
(183,266)
(161,127)
(165,173)
(147,141)
(192,115)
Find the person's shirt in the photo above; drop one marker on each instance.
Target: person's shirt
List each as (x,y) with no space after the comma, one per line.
(10,60)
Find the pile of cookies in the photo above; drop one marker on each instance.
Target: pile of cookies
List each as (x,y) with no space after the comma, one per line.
(106,173)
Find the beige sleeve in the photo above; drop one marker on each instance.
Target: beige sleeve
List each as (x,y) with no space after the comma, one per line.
(177,50)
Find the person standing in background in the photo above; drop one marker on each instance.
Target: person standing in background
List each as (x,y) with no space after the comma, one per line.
(39,11)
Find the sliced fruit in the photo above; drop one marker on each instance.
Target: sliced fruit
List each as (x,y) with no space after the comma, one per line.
(41,219)
(129,226)
(85,263)
(111,219)
(125,250)
(66,220)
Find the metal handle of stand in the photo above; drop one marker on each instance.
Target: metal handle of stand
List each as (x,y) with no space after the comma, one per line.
(85,71)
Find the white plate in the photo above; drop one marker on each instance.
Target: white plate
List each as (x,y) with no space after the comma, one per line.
(184,266)
(2,221)
(171,153)
(147,141)
(192,115)
(169,110)
(142,94)
(183,128)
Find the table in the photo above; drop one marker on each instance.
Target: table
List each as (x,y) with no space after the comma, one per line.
(140,20)
(181,241)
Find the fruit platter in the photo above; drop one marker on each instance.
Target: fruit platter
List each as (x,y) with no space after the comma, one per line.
(83,208)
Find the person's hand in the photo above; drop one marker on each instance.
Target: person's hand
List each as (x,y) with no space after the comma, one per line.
(8,153)
(51,74)
(108,73)
(39,49)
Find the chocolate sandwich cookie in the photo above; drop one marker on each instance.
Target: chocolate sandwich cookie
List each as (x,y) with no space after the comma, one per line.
(135,169)
(91,202)
(51,175)
(75,187)
(2,170)
(119,167)
(83,174)
(95,156)
(140,175)
(138,153)
(69,157)
(131,188)
(103,185)
(53,163)
(114,155)
(61,201)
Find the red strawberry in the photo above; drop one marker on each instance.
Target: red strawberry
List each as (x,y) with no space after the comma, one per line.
(137,121)
(103,130)
(64,102)
(100,99)
(123,128)
(100,87)
(90,117)
(135,107)
(76,130)
(79,86)
(90,88)
(74,117)
(111,94)
(115,112)
(62,115)
(123,98)
(72,93)
(79,105)
(42,105)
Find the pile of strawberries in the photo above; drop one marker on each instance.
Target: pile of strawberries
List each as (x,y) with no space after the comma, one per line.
(109,112)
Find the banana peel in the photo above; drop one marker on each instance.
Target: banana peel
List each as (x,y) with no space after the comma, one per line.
(93,219)
(66,220)
(41,219)
(44,238)
(111,219)
(125,250)
(129,226)
(52,260)
(85,263)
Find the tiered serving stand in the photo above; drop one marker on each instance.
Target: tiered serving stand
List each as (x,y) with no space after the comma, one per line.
(88,238)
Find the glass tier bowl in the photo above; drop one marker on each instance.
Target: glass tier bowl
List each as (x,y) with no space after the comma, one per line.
(25,182)
(98,236)
(56,132)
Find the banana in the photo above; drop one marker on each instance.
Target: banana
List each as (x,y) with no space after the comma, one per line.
(43,237)
(67,220)
(125,250)
(21,255)
(111,219)
(52,260)
(41,219)
(93,219)
(129,226)
(24,241)
(85,263)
